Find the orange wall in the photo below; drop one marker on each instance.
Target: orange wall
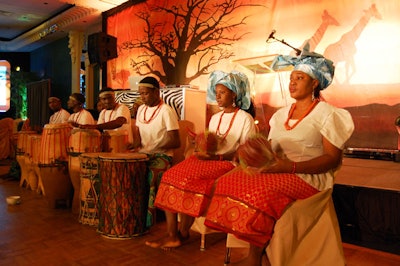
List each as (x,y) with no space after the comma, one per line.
(362,39)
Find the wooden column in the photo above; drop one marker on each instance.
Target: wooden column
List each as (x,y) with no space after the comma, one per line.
(75,45)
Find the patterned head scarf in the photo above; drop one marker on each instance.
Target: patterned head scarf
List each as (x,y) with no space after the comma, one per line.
(234,81)
(313,64)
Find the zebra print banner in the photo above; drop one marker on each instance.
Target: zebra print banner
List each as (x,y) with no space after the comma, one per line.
(171,96)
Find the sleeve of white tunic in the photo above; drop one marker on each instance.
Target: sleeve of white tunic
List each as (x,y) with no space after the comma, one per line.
(304,142)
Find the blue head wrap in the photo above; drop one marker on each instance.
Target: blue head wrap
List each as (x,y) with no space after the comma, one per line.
(234,81)
(313,64)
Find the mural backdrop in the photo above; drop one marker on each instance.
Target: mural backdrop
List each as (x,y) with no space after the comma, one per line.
(181,42)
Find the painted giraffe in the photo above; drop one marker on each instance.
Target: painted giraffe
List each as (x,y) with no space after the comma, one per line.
(345,49)
(327,20)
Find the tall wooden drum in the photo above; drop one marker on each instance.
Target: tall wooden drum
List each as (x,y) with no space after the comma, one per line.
(124,193)
(80,141)
(89,188)
(22,145)
(115,141)
(54,143)
(32,149)
(22,141)
(53,164)
(84,141)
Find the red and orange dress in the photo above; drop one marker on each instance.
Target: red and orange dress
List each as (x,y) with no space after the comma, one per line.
(248,204)
(187,187)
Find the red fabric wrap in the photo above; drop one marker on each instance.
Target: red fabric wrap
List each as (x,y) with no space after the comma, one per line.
(186,187)
(248,204)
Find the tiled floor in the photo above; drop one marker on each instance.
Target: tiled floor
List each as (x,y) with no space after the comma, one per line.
(34,234)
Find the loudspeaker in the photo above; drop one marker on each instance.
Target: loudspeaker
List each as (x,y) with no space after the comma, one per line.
(101,47)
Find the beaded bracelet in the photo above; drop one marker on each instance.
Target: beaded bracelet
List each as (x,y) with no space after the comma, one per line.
(293,168)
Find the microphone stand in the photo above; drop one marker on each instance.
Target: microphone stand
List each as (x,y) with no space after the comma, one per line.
(298,51)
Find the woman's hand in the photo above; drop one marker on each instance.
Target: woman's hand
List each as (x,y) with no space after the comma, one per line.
(279,166)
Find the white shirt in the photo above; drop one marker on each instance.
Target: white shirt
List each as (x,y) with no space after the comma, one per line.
(304,142)
(154,130)
(59,117)
(83,117)
(118,111)
(242,127)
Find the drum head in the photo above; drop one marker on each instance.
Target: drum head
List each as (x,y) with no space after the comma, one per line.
(58,125)
(92,155)
(123,156)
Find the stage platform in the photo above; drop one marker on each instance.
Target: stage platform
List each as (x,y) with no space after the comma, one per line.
(370,173)
(367,201)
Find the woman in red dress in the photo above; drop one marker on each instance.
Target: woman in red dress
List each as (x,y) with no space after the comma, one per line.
(309,135)
(186,187)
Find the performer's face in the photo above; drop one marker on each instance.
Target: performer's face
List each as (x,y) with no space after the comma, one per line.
(301,85)
(108,101)
(149,96)
(224,96)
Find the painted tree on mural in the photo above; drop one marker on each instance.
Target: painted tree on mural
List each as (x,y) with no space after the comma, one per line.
(202,28)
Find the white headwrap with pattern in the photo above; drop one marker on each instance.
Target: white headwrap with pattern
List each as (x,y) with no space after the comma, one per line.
(235,81)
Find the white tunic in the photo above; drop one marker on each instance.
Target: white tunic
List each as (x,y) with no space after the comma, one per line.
(159,122)
(304,142)
(242,127)
(120,110)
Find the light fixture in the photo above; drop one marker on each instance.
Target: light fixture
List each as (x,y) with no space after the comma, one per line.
(53,28)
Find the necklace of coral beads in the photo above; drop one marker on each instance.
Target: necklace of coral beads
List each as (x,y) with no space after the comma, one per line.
(310,108)
(155,113)
(223,136)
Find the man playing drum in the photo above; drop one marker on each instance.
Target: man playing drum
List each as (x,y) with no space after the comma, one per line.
(157,132)
(115,117)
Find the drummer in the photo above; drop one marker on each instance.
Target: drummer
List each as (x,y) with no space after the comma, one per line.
(157,132)
(114,116)
(60,115)
(80,115)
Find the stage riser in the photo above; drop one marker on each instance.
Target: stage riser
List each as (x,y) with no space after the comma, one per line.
(368,217)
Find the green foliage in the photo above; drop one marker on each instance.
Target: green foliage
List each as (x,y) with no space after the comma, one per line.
(18,96)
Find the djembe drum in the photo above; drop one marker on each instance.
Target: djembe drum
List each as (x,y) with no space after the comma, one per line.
(115,141)
(89,188)
(31,152)
(124,194)
(53,160)
(84,141)
(55,138)
(80,141)
(22,143)
(34,160)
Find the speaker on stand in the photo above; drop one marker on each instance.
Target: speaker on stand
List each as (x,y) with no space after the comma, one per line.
(101,47)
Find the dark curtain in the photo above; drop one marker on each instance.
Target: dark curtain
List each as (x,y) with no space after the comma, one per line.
(38,110)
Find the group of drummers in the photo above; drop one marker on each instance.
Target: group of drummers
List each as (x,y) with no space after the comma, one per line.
(110,176)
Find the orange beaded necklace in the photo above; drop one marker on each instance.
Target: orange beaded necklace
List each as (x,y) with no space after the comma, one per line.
(301,118)
(77,116)
(156,111)
(223,136)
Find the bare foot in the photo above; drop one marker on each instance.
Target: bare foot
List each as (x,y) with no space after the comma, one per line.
(165,243)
